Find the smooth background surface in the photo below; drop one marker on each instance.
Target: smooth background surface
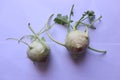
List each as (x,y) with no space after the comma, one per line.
(14,64)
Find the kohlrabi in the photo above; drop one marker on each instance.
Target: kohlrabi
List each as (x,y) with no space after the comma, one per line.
(38,50)
(77,41)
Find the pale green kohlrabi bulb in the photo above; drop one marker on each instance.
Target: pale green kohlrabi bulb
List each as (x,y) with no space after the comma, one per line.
(77,42)
(39,52)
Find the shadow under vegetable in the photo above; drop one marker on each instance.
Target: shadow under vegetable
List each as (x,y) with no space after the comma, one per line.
(44,65)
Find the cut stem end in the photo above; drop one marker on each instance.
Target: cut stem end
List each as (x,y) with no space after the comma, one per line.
(101,51)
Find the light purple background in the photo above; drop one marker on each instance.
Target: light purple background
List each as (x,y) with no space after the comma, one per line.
(14,64)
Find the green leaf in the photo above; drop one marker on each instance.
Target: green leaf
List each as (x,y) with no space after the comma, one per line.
(61,19)
(91,16)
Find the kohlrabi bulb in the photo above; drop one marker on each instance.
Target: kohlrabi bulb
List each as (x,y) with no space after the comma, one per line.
(38,52)
(77,42)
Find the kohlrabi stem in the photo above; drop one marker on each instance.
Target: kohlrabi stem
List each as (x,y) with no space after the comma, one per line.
(79,21)
(49,35)
(25,36)
(41,30)
(76,25)
(91,24)
(96,50)
(45,29)
(71,13)
(84,18)
(97,19)
(33,32)
(88,25)
(54,39)
(20,41)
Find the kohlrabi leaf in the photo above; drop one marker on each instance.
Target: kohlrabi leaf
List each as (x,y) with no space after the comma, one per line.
(61,19)
(91,16)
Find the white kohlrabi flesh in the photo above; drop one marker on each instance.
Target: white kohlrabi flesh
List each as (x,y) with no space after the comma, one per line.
(77,42)
(39,52)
